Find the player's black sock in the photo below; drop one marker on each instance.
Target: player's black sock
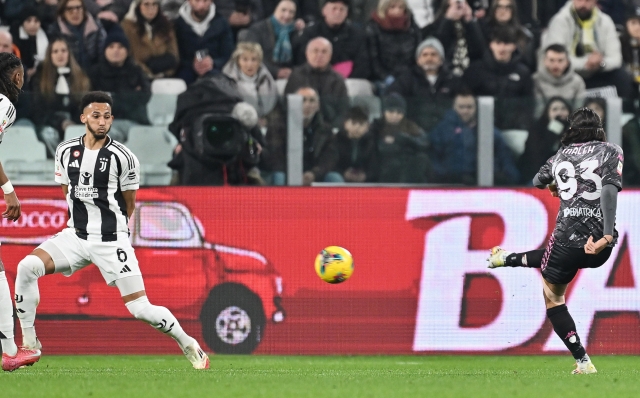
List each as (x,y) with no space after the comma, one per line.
(565,328)
(531,259)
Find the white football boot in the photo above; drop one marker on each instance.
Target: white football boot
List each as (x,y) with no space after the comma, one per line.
(497,257)
(196,356)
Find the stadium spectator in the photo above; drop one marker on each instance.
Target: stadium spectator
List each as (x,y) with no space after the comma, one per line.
(84,34)
(459,34)
(505,13)
(112,10)
(630,45)
(501,75)
(58,86)
(118,74)
(556,77)
(275,35)
(356,148)
(320,154)
(30,39)
(152,39)
(392,38)
(428,86)
(255,84)
(349,57)
(318,74)
(454,147)
(594,47)
(599,106)
(544,137)
(402,145)
(170,8)
(204,38)
(6,43)
(47,10)
(240,13)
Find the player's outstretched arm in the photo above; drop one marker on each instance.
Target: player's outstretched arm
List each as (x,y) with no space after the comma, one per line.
(608,204)
(130,200)
(12,211)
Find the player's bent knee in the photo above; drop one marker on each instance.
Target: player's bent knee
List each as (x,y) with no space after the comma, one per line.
(139,308)
(552,297)
(31,267)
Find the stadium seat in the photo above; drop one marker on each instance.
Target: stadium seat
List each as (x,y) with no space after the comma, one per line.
(516,140)
(359,87)
(73,131)
(161,108)
(371,103)
(24,157)
(168,86)
(154,147)
(281,84)
(625,118)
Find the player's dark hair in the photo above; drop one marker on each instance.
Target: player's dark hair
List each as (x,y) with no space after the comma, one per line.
(357,114)
(8,63)
(95,96)
(584,126)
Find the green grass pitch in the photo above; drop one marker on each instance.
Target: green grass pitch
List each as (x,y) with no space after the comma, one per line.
(322,376)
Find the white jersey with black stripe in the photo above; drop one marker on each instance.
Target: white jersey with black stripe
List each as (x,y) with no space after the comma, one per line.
(96,180)
(7,115)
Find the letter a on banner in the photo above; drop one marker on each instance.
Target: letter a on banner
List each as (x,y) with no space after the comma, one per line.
(447,260)
(590,293)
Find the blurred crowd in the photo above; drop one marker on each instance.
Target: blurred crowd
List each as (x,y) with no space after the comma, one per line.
(426,61)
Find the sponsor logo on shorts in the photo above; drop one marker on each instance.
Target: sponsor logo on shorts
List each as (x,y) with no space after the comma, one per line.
(582,212)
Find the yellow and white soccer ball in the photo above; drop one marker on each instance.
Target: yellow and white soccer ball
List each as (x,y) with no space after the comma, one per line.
(334,264)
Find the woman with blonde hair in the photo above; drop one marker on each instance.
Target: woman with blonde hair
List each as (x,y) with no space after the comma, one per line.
(392,38)
(255,83)
(58,85)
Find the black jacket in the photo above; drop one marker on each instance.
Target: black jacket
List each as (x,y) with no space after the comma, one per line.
(358,154)
(349,44)
(426,103)
(129,86)
(510,83)
(391,51)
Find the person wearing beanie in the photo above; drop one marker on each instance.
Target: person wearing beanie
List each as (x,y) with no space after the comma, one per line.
(30,39)
(350,57)
(118,74)
(401,145)
(153,41)
(630,44)
(84,33)
(427,86)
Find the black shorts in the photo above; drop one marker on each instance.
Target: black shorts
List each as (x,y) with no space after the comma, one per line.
(561,264)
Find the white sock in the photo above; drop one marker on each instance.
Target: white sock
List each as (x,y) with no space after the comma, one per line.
(160,318)
(6,317)
(28,296)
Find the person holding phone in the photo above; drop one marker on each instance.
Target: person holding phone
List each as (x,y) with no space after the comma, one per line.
(205,40)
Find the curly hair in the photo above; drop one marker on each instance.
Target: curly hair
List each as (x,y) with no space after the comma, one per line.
(8,64)
(584,126)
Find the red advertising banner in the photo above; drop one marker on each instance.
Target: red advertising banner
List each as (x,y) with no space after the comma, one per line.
(235,265)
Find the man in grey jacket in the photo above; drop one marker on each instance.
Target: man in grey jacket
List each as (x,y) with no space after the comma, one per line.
(556,78)
(594,48)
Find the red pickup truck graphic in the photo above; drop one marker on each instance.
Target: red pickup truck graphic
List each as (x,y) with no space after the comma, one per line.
(233,292)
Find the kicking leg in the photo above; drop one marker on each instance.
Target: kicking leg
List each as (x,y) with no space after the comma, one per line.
(565,327)
(30,269)
(9,346)
(160,318)
(501,258)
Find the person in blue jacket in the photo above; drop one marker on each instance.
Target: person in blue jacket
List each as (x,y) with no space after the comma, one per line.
(454,147)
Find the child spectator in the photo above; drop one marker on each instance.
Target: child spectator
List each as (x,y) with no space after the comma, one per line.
(30,39)
(356,148)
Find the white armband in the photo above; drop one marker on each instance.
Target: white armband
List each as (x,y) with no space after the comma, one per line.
(7,188)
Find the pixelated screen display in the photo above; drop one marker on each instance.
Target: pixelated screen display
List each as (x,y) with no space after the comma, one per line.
(235,265)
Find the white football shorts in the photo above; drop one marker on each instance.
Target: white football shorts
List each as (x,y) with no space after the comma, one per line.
(116,260)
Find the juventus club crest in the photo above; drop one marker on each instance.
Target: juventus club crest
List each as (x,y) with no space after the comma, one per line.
(103,164)
(86,178)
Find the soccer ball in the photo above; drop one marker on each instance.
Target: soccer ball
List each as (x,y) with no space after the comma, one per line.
(334,264)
